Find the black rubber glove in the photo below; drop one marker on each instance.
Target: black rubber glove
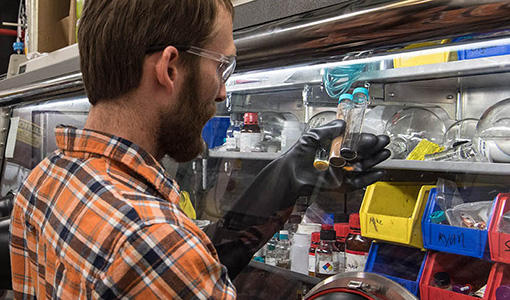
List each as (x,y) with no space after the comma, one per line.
(268,202)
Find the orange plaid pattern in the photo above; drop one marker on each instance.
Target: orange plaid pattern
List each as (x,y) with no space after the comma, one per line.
(98,219)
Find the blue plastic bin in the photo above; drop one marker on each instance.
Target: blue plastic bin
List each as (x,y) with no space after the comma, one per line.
(484,52)
(215,131)
(458,240)
(398,263)
(480,52)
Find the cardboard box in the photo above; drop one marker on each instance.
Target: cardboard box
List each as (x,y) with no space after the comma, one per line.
(56,25)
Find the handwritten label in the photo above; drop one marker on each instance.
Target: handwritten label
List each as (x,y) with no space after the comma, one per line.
(451,239)
(375,222)
(507,245)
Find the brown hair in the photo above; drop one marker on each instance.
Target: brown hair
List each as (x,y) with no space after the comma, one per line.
(113,36)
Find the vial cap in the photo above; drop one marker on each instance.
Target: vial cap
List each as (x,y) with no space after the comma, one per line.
(342,229)
(316,237)
(360,90)
(326,227)
(442,278)
(354,221)
(284,235)
(251,118)
(437,217)
(345,96)
(328,235)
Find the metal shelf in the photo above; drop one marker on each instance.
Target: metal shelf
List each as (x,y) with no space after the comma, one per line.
(447,166)
(284,272)
(289,78)
(397,164)
(245,155)
(459,68)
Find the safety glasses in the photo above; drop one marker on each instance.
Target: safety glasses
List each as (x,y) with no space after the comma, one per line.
(225,68)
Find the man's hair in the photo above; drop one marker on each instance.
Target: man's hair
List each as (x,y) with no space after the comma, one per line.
(113,37)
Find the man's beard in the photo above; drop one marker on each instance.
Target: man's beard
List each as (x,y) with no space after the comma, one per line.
(180,132)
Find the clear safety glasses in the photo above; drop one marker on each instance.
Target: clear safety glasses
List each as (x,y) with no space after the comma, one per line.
(225,68)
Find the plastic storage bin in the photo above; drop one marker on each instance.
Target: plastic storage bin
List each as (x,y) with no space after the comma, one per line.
(434,58)
(499,241)
(480,52)
(398,263)
(393,212)
(500,276)
(215,131)
(453,239)
(462,270)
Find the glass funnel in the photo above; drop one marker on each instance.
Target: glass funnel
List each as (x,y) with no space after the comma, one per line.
(408,126)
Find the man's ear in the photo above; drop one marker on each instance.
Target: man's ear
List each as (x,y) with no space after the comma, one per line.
(166,68)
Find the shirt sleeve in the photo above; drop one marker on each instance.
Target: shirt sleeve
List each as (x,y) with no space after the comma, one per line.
(164,261)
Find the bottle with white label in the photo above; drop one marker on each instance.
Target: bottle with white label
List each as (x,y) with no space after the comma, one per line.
(326,255)
(250,134)
(271,250)
(356,246)
(233,134)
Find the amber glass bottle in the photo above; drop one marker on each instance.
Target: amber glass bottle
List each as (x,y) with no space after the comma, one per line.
(356,246)
(250,136)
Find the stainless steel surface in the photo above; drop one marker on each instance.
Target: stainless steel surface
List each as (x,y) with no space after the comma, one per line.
(245,155)
(27,92)
(447,167)
(284,272)
(354,25)
(68,67)
(367,282)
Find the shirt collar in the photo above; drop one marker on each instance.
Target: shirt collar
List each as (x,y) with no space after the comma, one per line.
(71,139)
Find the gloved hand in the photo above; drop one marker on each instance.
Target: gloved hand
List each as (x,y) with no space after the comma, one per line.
(305,178)
(267,203)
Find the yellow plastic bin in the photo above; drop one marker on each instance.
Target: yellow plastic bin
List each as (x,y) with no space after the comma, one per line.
(426,59)
(393,212)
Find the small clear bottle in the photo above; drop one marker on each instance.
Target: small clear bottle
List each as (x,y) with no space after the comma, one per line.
(311,253)
(233,134)
(250,134)
(356,246)
(326,255)
(283,250)
(270,258)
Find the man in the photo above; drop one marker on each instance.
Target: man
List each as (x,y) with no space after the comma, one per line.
(99,218)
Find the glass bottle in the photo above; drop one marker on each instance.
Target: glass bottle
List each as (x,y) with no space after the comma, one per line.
(311,253)
(326,255)
(283,250)
(233,134)
(271,250)
(250,133)
(342,230)
(356,246)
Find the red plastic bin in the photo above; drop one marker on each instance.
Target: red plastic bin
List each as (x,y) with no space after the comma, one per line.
(501,277)
(462,270)
(499,242)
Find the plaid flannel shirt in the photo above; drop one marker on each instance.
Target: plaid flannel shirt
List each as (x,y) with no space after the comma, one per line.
(98,219)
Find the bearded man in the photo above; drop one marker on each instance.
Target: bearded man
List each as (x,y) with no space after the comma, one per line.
(99,217)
